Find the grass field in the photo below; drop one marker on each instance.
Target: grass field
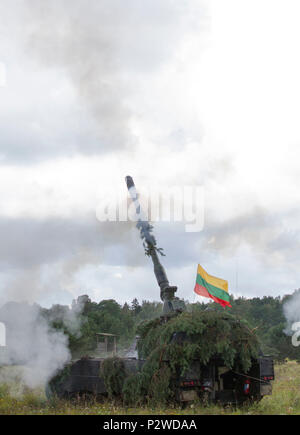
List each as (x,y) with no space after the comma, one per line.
(15,399)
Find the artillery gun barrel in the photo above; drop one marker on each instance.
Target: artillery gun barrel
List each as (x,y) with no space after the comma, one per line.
(159,270)
(166,291)
(150,242)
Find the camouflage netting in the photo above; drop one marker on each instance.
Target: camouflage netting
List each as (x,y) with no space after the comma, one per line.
(113,373)
(55,384)
(169,348)
(207,334)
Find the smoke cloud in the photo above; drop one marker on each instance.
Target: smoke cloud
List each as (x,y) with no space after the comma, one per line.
(40,258)
(291,310)
(98,46)
(32,343)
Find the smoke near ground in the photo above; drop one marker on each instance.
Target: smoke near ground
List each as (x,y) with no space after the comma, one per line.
(33,344)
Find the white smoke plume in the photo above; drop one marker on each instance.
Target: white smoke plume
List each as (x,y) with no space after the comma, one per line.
(32,343)
(291,310)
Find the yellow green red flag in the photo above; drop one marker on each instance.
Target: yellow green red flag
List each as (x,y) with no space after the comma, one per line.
(211,287)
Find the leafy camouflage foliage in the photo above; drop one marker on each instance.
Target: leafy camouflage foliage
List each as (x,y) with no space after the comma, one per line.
(54,386)
(152,385)
(206,334)
(170,347)
(113,373)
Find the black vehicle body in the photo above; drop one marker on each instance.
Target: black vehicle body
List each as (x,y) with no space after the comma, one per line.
(217,383)
(83,377)
(211,383)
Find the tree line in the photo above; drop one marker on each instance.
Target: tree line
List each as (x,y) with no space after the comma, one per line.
(86,318)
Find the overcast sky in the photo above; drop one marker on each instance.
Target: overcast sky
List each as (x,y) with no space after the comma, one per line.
(174,93)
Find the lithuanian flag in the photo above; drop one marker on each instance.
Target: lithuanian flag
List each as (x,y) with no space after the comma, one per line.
(211,287)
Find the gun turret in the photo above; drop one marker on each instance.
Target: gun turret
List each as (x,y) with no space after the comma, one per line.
(171,303)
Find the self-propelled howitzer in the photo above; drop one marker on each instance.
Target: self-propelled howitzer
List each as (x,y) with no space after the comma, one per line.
(167,292)
(170,353)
